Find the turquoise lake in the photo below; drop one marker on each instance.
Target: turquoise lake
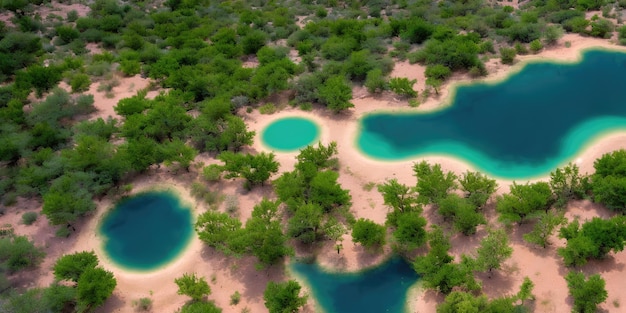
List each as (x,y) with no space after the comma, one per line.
(146,231)
(525,126)
(290,134)
(380,289)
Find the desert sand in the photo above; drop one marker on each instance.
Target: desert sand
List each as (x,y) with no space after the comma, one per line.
(227,274)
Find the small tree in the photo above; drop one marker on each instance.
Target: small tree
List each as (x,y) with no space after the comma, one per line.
(283,297)
(400,199)
(587,293)
(438,71)
(435,83)
(507,55)
(94,286)
(526,290)
(544,228)
(478,187)
(368,233)
(567,183)
(536,46)
(524,202)
(72,266)
(256,169)
(432,183)
(410,232)
(403,86)
(192,286)
(493,251)
(335,93)
(17,253)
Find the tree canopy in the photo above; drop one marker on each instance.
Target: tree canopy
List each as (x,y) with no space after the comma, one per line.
(283,297)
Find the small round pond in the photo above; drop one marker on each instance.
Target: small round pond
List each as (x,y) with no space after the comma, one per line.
(146,231)
(381,289)
(290,134)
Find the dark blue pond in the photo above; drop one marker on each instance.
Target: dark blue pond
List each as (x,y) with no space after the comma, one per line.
(380,289)
(525,126)
(147,231)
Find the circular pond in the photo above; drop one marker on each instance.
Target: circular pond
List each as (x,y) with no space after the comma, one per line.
(146,231)
(290,133)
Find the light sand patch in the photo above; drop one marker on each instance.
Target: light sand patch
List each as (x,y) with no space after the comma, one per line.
(128,87)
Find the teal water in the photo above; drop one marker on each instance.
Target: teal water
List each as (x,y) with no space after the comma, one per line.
(290,134)
(380,289)
(525,126)
(147,230)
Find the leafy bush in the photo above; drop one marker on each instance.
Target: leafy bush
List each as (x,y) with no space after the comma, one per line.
(67,33)
(536,46)
(375,81)
(212,172)
(368,233)
(130,67)
(268,108)
(72,16)
(507,55)
(403,86)
(29,218)
(438,71)
(80,82)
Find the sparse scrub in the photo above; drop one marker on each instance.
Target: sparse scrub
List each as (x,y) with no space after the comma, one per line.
(235,298)
(143,304)
(212,173)
(29,218)
(268,108)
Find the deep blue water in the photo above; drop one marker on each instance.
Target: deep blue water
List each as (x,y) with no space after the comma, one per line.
(380,289)
(146,231)
(525,126)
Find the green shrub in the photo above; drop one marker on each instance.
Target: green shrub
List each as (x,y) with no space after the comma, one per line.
(536,46)
(438,71)
(212,172)
(232,204)
(486,46)
(63,232)
(92,35)
(520,48)
(507,55)
(67,33)
(375,81)
(84,104)
(403,86)
(268,108)
(306,106)
(72,16)
(80,82)
(235,298)
(130,67)
(143,304)
(29,218)
(98,68)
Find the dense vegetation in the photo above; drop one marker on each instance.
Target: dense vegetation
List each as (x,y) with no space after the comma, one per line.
(196,49)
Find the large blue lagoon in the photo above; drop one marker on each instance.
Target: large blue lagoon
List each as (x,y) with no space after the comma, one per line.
(525,126)
(290,134)
(147,230)
(380,289)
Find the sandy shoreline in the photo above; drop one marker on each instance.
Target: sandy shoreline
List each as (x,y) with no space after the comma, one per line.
(227,274)
(358,170)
